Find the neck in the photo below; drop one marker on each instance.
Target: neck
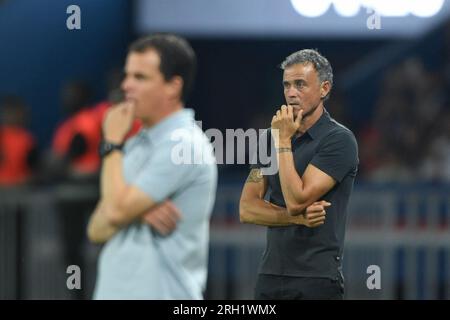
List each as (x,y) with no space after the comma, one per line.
(308,121)
(164,113)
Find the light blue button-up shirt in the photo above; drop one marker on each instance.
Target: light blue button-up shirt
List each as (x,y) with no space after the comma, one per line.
(138,263)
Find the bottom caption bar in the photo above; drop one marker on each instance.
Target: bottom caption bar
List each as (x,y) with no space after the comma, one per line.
(220,309)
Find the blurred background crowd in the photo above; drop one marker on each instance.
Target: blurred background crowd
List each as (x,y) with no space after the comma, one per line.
(56,85)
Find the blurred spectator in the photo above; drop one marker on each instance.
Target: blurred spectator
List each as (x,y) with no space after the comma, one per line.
(436,167)
(408,139)
(18,149)
(74,157)
(76,139)
(369,141)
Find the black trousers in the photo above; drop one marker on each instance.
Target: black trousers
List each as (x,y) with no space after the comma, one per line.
(273,287)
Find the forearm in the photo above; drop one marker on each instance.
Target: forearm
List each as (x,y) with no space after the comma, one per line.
(261,212)
(112,182)
(292,185)
(100,229)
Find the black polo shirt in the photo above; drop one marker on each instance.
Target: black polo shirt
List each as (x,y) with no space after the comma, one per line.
(314,252)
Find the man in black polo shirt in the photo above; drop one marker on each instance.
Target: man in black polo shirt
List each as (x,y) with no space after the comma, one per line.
(317,165)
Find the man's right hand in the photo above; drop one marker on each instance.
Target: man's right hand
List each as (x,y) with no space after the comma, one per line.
(314,215)
(163,217)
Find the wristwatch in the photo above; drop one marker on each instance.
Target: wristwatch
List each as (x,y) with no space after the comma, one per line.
(106,148)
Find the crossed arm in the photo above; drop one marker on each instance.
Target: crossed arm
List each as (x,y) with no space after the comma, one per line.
(300,192)
(120,204)
(254,209)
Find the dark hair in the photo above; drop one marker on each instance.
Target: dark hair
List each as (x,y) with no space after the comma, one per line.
(13,110)
(176,55)
(320,63)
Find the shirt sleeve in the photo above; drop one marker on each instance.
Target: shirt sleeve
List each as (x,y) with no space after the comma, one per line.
(164,174)
(337,155)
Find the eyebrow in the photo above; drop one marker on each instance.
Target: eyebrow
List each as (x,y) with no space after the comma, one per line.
(135,74)
(294,81)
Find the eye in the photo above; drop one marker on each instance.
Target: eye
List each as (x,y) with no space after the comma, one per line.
(299,84)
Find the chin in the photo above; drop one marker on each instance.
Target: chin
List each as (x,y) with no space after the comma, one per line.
(138,112)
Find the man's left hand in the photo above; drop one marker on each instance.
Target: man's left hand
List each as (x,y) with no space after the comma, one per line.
(284,122)
(118,122)
(163,217)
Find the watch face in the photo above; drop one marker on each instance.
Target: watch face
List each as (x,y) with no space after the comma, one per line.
(106,148)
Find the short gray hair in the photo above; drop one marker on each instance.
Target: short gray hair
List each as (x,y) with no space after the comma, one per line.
(320,63)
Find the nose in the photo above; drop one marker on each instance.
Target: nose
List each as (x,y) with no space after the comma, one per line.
(291,92)
(126,84)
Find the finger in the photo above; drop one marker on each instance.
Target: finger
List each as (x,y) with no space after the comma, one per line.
(121,106)
(110,112)
(314,208)
(128,110)
(314,215)
(299,118)
(166,216)
(290,112)
(283,110)
(173,209)
(166,222)
(147,218)
(155,224)
(170,216)
(161,228)
(317,224)
(162,215)
(274,118)
(278,113)
(317,220)
(130,106)
(322,203)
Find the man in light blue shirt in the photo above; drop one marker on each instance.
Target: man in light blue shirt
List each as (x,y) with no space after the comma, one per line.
(157,190)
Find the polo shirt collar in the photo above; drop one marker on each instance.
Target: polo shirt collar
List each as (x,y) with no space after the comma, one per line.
(317,127)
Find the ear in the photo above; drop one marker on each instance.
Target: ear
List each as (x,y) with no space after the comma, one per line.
(325,88)
(175,87)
